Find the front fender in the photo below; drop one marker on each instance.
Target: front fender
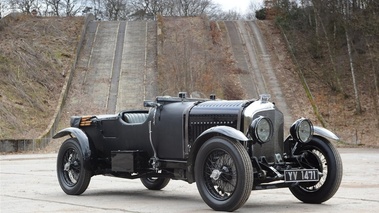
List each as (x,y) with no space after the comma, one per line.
(218,130)
(82,138)
(320,131)
(223,130)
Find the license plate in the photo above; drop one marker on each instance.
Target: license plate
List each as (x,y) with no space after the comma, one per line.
(301,175)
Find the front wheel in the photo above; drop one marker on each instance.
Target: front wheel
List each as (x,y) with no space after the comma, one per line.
(223,173)
(323,156)
(155,183)
(72,176)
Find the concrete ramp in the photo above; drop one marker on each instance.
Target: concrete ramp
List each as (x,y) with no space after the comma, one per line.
(258,77)
(137,65)
(99,65)
(116,68)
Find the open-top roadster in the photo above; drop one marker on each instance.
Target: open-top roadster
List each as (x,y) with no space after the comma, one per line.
(227,147)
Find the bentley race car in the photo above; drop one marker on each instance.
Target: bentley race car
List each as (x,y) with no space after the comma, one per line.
(227,147)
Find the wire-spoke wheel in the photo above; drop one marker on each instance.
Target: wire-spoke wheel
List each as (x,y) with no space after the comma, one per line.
(224,174)
(72,176)
(321,155)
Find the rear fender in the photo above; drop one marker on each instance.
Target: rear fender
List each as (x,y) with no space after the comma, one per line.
(207,134)
(82,138)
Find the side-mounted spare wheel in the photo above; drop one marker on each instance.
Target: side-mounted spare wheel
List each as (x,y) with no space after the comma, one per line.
(223,173)
(73,177)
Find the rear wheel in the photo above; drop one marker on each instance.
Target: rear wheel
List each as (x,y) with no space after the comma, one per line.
(224,174)
(320,154)
(72,176)
(153,183)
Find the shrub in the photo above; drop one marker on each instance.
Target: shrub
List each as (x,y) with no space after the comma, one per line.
(261,14)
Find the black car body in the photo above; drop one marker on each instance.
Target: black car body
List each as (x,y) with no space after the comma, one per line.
(227,147)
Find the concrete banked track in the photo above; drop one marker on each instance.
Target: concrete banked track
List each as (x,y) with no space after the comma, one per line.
(253,59)
(117,66)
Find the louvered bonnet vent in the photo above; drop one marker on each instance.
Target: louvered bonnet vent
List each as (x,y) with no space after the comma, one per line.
(213,113)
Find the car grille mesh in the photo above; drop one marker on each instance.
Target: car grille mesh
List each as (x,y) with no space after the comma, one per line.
(275,145)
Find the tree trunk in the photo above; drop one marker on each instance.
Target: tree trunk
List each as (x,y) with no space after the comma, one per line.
(358,108)
(338,85)
(375,93)
(303,80)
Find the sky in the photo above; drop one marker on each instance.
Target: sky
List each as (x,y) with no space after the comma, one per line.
(238,5)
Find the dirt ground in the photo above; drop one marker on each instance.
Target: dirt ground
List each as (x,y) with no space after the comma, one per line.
(35,55)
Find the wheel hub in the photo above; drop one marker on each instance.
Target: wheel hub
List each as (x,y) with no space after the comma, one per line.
(215,174)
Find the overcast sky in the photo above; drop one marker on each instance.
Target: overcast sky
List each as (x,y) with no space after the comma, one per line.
(238,5)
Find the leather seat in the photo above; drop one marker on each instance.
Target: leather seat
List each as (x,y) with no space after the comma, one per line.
(135,118)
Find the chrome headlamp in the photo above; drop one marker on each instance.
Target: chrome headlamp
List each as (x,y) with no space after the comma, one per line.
(302,130)
(261,129)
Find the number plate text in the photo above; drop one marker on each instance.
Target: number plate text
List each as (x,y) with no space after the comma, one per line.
(304,175)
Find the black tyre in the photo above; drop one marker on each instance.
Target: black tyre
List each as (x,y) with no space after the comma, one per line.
(72,176)
(322,155)
(224,174)
(155,183)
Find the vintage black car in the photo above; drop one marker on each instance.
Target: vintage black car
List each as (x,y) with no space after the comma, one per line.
(227,147)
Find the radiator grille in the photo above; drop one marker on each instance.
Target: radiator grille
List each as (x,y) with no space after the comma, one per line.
(275,145)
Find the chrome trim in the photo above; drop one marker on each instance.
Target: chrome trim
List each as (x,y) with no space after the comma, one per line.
(252,109)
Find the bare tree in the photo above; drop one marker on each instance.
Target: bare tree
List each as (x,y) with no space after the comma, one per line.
(55,6)
(2,5)
(227,16)
(115,9)
(96,7)
(252,8)
(146,9)
(334,75)
(195,7)
(71,7)
(26,6)
(2,8)
(149,9)
(358,108)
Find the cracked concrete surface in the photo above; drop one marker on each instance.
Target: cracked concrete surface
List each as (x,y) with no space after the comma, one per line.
(28,183)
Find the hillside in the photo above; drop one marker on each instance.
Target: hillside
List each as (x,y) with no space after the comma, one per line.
(122,63)
(35,55)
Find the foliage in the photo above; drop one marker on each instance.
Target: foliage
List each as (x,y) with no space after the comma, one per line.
(261,14)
